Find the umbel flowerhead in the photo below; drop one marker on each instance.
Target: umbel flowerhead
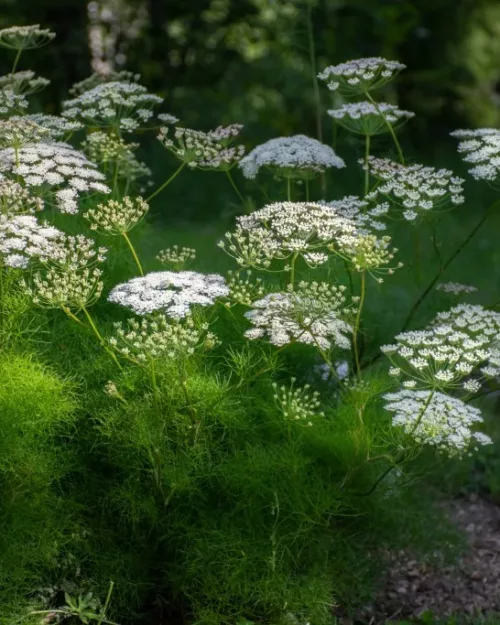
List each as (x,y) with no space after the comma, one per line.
(299,404)
(481,148)
(176,257)
(25,37)
(115,104)
(45,167)
(57,128)
(71,277)
(204,150)
(117,217)
(154,337)
(298,157)
(414,190)
(437,419)
(23,83)
(17,200)
(16,132)
(23,239)
(173,293)
(315,314)
(282,229)
(360,75)
(369,119)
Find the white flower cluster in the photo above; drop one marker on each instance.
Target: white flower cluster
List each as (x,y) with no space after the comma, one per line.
(117,217)
(438,357)
(244,289)
(115,155)
(16,132)
(436,419)
(360,75)
(16,200)
(71,278)
(313,314)
(173,293)
(25,37)
(297,157)
(167,118)
(149,339)
(176,257)
(125,105)
(12,102)
(455,288)
(297,404)
(367,252)
(281,229)
(414,188)
(361,213)
(23,238)
(480,148)
(48,164)
(57,127)
(480,324)
(24,83)
(204,150)
(369,119)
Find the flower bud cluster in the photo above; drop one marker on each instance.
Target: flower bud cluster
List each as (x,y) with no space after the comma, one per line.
(71,278)
(16,132)
(125,105)
(117,217)
(437,419)
(115,155)
(176,257)
(314,314)
(298,157)
(16,200)
(369,119)
(360,75)
(53,164)
(173,293)
(297,404)
(415,189)
(367,252)
(204,150)
(151,338)
(480,148)
(243,289)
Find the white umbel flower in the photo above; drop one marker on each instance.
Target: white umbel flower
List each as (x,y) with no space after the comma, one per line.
(360,75)
(364,215)
(437,419)
(57,127)
(23,238)
(299,404)
(48,165)
(23,83)
(17,200)
(117,217)
(369,119)
(313,314)
(12,103)
(173,293)
(414,189)
(126,105)
(480,148)
(298,157)
(25,37)
(456,288)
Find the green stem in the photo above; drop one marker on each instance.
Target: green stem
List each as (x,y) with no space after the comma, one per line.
(16,61)
(166,183)
(447,263)
(136,258)
(106,603)
(98,334)
(402,456)
(418,257)
(289,189)
(307,190)
(389,127)
(357,323)
(367,173)
(233,184)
